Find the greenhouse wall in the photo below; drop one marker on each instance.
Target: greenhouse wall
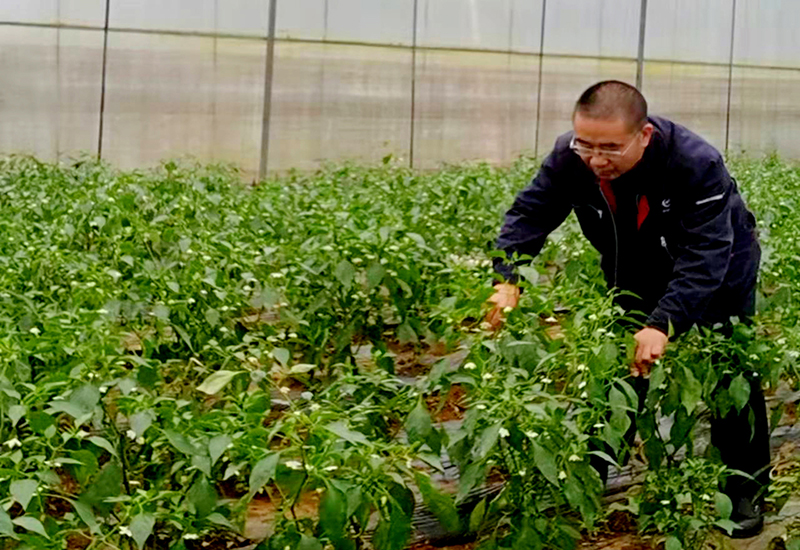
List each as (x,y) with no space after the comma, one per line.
(428,81)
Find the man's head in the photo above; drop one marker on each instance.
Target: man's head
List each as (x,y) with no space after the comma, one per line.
(611,128)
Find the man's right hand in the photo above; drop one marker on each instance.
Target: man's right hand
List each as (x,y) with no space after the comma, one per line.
(506,295)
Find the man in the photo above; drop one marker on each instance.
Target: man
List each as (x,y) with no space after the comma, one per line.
(658,203)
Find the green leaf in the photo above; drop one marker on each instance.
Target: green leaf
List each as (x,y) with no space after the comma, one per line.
(344,273)
(85,398)
(418,424)
(440,505)
(70,461)
(680,433)
(40,421)
(141,421)
(375,274)
(173,286)
(608,355)
(352,494)
(691,390)
(630,394)
(282,355)
(406,334)
(161,312)
(657,377)
(263,472)
(203,497)
(740,392)
(184,336)
(218,519)
(488,440)
(392,533)
(472,476)
(180,442)
(571,532)
(217,446)
(432,459)
(332,516)
(581,499)
(202,463)
(607,458)
(529,273)
(80,404)
(417,238)
(15,413)
(546,462)
(673,543)
(23,491)
(620,411)
(340,428)
(6,527)
(87,516)
(438,371)
(302,368)
(476,517)
(528,539)
(107,484)
(309,543)
(61,406)
(11,392)
(212,317)
(126,386)
(31,524)
(141,528)
(103,444)
(724,505)
(218,380)
(728,526)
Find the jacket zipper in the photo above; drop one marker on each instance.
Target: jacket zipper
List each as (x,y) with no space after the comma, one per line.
(616,238)
(664,246)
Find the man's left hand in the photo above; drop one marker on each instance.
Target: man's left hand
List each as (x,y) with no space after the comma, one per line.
(650,345)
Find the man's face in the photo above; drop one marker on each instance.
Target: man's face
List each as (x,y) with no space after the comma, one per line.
(609,147)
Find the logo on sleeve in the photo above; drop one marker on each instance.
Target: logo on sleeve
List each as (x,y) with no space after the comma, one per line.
(665,205)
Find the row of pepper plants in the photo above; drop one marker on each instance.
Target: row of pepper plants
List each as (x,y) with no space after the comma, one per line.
(176,344)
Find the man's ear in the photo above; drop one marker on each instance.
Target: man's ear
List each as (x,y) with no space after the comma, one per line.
(647,134)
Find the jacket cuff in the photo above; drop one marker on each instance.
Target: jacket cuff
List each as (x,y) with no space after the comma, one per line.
(663,321)
(506,271)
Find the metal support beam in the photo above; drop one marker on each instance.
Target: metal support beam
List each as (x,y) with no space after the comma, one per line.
(265,125)
(413,85)
(730,80)
(539,83)
(103,84)
(640,55)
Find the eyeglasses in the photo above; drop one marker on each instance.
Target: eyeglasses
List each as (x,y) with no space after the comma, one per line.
(597,152)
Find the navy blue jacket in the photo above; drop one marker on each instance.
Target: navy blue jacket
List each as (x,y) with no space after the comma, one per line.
(695,257)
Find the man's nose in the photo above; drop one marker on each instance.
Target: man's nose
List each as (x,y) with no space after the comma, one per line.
(597,162)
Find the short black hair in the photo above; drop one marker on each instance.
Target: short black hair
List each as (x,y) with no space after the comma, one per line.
(613,99)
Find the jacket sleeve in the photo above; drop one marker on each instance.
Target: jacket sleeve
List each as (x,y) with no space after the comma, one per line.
(705,241)
(537,210)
